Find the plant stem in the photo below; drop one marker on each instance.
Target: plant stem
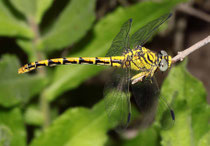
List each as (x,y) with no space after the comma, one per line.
(181,55)
(45,108)
(44,104)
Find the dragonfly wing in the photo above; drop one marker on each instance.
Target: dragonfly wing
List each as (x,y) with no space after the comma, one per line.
(117,98)
(165,114)
(121,41)
(143,34)
(151,105)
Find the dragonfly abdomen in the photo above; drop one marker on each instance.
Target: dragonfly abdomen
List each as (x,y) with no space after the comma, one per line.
(110,61)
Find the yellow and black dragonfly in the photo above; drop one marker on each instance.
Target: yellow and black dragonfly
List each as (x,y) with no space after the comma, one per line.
(135,66)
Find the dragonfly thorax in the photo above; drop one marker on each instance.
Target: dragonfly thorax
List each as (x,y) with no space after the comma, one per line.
(146,61)
(141,59)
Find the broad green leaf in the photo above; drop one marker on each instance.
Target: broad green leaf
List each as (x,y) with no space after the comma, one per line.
(181,85)
(200,118)
(77,76)
(188,96)
(10,25)
(146,137)
(34,116)
(181,133)
(27,46)
(15,88)
(33,9)
(42,6)
(69,77)
(12,130)
(5,135)
(77,127)
(30,48)
(26,7)
(72,24)
(205,140)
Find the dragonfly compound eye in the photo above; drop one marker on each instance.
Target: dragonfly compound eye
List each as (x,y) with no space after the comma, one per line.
(163,65)
(163,53)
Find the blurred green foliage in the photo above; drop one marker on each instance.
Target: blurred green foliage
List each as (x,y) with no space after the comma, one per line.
(77,126)
(16,89)
(192,111)
(22,19)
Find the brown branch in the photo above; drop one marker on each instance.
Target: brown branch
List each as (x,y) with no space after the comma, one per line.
(181,55)
(194,12)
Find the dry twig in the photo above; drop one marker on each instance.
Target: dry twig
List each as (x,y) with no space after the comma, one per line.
(181,55)
(194,12)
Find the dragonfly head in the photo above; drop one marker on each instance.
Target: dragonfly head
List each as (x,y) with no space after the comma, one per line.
(164,60)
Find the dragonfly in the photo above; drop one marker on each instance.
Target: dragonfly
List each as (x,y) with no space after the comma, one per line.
(134,67)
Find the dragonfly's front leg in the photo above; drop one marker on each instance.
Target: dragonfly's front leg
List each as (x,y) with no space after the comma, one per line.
(141,76)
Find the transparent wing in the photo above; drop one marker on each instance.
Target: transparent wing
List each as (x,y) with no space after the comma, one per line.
(143,34)
(165,114)
(121,41)
(117,99)
(151,105)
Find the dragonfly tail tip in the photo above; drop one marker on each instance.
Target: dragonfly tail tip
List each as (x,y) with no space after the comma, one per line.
(172,115)
(170,14)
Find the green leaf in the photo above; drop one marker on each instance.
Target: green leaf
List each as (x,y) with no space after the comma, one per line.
(68,77)
(42,6)
(146,137)
(5,134)
(16,88)
(185,88)
(12,128)
(26,7)
(72,24)
(77,127)
(205,140)
(181,133)
(200,118)
(34,116)
(77,76)
(30,48)
(188,96)
(33,9)
(10,25)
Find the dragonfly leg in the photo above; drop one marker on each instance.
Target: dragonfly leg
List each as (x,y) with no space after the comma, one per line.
(139,77)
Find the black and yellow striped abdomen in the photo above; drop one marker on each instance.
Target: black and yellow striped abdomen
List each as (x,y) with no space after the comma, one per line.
(115,61)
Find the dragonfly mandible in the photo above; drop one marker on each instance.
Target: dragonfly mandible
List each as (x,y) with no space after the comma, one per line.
(133,62)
